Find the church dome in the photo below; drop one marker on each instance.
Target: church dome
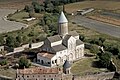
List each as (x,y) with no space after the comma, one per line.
(62,18)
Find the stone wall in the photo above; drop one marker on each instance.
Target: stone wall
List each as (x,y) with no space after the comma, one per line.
(23,47)
(36,45)
(101,76)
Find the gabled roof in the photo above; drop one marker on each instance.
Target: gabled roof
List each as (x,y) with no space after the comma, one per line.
(67,37)
(73,33)
(54,38)
(59,48)
(78,42)
(62,18)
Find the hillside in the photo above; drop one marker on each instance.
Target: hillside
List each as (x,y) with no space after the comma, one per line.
(15,4)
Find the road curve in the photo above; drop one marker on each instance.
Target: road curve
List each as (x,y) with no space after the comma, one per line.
(98,26)
(6,25)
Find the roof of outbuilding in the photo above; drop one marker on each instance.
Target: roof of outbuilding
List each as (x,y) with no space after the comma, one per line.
(54,38)
(73,33)
(62,18)
(38,70)
(46,55)
(59,48)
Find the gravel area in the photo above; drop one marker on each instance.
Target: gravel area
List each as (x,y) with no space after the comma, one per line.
(8,26)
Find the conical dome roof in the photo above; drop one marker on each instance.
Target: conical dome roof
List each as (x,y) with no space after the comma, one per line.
(62,18)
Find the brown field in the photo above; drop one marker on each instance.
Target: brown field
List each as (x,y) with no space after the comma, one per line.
(15,4)
(108,5)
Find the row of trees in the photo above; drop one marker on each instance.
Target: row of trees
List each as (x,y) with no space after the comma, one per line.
(23,62)
(36,7)
(12,41)
(47,6)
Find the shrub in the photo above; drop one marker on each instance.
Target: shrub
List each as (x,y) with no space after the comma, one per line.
(3,62)
(82,37)
(94,49)
(105,59)
(24,62)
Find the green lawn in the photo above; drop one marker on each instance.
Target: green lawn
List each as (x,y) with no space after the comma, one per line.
(8,72)
(84,66)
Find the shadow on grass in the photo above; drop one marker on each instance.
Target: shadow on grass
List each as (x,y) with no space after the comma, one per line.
(88,55)
(95,64)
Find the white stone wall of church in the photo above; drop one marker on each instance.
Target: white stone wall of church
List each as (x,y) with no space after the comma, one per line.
(71,48)
(56,43)
(80,50)
(60,56)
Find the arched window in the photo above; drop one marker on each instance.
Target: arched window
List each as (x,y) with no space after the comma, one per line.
(59,60)
(71,56)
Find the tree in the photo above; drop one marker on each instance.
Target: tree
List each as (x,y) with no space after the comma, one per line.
(82,37)
(1,40)
(26,8)
(31,14)
(10,41)
(24,62)
(102,39)
(94,49)
(25,39)
(50,7)
(19,39)
(3,62)
(105,59)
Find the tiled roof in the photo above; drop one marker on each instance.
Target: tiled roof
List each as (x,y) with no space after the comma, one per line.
(38,70)
(73,33)
(62,18)
(54,38)
(67,37)
(78,42)
(65,40)
(59,47)
(46,54)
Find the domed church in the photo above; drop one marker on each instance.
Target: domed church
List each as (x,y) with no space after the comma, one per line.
(59,48)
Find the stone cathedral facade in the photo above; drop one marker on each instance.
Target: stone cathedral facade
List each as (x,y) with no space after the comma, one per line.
(59,48)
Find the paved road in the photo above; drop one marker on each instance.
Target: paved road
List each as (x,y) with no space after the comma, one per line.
(7,26)
(98,26)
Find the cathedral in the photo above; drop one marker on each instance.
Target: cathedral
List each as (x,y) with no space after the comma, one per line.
(59,48)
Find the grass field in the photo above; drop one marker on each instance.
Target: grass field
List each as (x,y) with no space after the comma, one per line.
(8,72)
(108,5)
(84,66)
